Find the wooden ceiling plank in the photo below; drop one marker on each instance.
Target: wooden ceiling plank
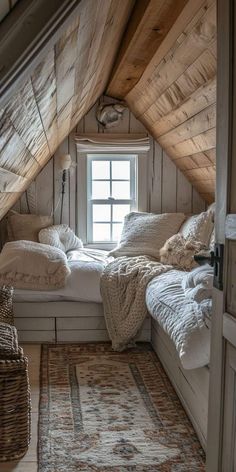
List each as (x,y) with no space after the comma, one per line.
(190,106)
(187,94)
(66,53)
(10,182)
(211,154)
(89,50)
(196,125)
(202,142)
(23,113)
(149,24)
(105,41)
(44,87)
(195,161)
(203,185)
(208,197)
(14,155)
(7,200)
(105,57)
(164,70)
(203,173)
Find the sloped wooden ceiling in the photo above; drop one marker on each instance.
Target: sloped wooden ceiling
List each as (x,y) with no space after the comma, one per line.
(64,84)
(5,7)
(169,82)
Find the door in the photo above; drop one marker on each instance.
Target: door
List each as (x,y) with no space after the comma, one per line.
(221,447)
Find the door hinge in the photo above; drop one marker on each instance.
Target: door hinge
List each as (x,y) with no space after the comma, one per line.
(217,261)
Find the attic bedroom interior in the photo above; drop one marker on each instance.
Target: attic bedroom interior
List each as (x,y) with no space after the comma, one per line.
(117,236)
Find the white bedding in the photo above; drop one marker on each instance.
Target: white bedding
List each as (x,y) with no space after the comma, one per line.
(182,318)
(83,284)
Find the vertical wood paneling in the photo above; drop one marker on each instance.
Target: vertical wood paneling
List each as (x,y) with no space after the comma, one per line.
(168,189)
(169,185)
(72,183)
(63,149)
(155,178)
(44,186)
(184,194)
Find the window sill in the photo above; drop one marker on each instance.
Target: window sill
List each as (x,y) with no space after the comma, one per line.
(104,246)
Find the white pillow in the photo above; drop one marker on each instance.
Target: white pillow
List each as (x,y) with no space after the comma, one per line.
(198,227)
(145,233)
(60,236)
(33,266)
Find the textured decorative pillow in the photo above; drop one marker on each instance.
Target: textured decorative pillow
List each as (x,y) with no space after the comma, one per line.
(198,227)
(179,252)
(60,236)
(33,266)
(26,227)
(145,233)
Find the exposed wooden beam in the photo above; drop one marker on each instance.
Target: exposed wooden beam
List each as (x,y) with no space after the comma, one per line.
(149,24)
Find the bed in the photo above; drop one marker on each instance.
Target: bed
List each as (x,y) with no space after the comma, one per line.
(181,339)
(73,313)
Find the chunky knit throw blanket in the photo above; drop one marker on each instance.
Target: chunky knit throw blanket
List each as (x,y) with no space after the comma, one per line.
(123,286)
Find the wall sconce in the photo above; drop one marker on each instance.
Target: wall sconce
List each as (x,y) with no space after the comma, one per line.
(65,163)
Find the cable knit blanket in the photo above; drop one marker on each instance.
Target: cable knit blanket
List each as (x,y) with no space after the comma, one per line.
(123,286)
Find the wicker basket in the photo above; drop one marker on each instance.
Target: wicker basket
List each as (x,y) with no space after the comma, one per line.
(14,396)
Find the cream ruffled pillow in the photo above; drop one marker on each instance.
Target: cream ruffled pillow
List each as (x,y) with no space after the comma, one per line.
(145,233)
(60,236)
(33,266)
(179,252)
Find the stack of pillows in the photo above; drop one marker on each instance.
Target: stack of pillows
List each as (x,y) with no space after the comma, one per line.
(169,238)
(35,256)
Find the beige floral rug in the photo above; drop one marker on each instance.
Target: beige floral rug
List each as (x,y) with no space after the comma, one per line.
(104,411)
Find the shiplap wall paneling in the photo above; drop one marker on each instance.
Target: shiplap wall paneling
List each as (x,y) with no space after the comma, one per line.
(168,188)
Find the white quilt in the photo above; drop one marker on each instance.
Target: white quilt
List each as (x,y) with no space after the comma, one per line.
(186,321)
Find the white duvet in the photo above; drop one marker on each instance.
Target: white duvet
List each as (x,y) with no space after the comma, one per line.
(83,284)
(171,300)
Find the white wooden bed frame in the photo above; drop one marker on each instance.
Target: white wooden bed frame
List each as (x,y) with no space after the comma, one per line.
(191,386)
(64,321)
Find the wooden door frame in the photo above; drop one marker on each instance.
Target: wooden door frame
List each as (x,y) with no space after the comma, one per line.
(225,40)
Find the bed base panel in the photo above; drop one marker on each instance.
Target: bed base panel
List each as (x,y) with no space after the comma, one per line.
(191,385)
(65,322)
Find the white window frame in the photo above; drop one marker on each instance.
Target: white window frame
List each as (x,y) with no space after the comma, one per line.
(132,201)
(82,174)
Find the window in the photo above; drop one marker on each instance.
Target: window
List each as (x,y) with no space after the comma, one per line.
(111,194)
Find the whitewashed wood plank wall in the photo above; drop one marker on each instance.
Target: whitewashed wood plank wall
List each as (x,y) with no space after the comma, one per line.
(168,189)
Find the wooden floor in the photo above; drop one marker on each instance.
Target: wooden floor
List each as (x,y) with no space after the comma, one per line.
(29,461)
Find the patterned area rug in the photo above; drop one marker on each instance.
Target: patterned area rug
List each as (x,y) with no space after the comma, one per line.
(103,411)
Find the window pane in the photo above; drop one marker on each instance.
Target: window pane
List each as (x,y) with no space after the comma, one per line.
(101,232)
(121,190)
(100,190)
(101,212)
(100,170)
(116,231)
(121,170)
(119,212)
